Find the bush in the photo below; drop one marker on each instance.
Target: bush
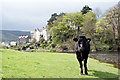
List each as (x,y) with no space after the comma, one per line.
(53,50)
(49,42)
(42,40)
(70,44)
(23,48)
(64,47)
(61,47)
(53,45)
(33,50)
(31,47)
(34,40)
(38,44)
(42,45)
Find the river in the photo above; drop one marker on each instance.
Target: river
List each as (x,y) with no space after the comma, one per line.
(108,57)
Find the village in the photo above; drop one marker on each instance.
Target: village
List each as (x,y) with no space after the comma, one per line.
(26,42)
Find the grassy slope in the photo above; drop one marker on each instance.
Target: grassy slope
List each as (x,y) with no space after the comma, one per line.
(50,65)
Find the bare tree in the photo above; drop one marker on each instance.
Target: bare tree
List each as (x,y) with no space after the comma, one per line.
(112,21)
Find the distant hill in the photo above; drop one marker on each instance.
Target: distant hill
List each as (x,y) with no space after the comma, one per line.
(8,35)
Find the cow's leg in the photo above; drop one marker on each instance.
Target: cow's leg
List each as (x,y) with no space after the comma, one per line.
(80,62)
(81,67)
(85,66)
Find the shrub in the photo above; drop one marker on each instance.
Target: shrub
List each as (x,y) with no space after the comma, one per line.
(33,50)
(49,42)
(70,44)
(53,45)
(41,40)
(53,50)
(34,40)
(64,47)
(31,47)
(23,48)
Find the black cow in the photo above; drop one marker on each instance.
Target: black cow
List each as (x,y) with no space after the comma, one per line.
(82,49)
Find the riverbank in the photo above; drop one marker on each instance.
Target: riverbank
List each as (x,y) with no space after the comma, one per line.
(112,58)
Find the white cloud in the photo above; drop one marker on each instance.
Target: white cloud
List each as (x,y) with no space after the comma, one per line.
(18,14)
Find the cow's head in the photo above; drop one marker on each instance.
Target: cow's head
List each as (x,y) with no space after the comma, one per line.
(82,42)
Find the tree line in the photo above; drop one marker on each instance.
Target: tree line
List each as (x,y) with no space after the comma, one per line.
(104,31)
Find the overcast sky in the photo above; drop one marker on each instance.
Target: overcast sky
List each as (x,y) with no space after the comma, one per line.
(30,14)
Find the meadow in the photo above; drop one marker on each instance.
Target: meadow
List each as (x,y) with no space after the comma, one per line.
(16,64)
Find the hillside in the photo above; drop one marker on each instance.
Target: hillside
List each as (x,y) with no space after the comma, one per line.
(8,35)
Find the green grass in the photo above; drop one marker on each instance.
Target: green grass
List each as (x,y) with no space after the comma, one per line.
(17,64)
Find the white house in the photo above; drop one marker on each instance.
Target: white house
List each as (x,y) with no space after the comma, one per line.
(13,43)
(45,34)
(36,34)
(23,39)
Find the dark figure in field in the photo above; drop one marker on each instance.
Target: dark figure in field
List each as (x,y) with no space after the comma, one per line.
(82,49)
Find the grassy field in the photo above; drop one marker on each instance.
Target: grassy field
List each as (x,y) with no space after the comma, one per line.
(17,64)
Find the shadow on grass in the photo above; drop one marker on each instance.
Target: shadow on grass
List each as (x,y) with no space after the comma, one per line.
(99,74)
(104,75)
